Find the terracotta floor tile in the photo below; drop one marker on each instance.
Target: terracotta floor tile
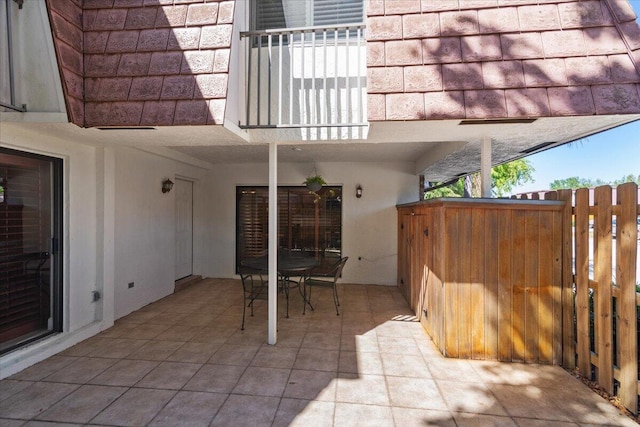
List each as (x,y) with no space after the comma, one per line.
(10,387)
(275,356)
(194,352)
(366,389)
(189,408)
(452,370)
(125,373)
(44,369)
(475,420)
(317,360)
(304,413)
(34,399)
(263,381)
(357,415)
(215,378)
(528,402)
(412,417)
(474,398)
(82,370)
(255,411)
(116,348)
(231,354)
(136,407)
(83,404)
(311,385)
(322,341)
(401,365)
(360,363)
(420,393)
(155,350)
(169,375)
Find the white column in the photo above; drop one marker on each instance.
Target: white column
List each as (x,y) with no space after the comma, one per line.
(485,167)
(273,242)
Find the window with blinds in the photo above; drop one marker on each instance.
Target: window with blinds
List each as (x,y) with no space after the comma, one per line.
(277,14)
(307,223)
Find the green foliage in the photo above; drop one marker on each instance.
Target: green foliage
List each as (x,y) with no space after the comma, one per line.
(315,179)
(507,175)
(454,190)
(574,182)
(503,178)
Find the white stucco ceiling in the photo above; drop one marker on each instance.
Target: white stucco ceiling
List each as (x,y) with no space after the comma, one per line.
(439,149)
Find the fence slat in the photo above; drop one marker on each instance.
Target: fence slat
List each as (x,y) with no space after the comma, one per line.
(602,274)
(626,258)
(582,280)
(568,301)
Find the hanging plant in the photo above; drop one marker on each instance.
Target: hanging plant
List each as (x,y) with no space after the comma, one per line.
(314,183)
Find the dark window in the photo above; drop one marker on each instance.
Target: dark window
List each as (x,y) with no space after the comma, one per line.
(277,14)
(30,256)
(307,223)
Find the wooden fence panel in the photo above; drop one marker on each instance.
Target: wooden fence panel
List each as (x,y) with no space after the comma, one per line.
(602,274)
(518,292)
(532,286)
(505,302)
(582,280)
(568,342)
(477,284)
(491,283)
(626,259)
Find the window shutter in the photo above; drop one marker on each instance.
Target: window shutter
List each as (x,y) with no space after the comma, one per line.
(332,12)
(269,15)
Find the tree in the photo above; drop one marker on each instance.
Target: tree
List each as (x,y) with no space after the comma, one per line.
(574,182)
(503,178)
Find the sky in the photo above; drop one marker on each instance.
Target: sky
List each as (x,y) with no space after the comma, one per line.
(608,156)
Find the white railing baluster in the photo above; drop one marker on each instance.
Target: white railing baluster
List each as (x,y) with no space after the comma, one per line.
(328,109)
(269,46)
(280,79)
(259,78)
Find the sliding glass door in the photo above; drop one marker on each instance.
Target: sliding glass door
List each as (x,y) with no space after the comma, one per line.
(30,229)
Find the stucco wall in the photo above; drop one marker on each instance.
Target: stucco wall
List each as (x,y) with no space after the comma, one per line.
(368,226)
(145,226)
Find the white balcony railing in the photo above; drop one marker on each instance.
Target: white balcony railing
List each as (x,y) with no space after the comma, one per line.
(312,77)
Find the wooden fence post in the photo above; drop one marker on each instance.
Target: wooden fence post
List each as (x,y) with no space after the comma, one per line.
(582,281)
(626,258)
(568,300)
(602,274)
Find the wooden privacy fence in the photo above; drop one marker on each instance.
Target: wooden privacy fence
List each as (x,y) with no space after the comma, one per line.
(600,286)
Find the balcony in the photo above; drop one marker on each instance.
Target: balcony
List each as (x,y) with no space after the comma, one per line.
(311,78)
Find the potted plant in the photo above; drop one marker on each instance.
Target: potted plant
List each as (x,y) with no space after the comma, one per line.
(314,183)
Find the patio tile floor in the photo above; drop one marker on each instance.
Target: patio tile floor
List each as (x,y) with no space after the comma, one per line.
(183,360)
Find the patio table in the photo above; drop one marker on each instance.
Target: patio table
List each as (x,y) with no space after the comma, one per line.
(288,267)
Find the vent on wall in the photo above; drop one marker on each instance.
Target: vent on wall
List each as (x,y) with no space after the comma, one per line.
(496,121)
(127,128)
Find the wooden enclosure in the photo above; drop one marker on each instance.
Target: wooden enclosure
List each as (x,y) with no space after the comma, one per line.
(485,276)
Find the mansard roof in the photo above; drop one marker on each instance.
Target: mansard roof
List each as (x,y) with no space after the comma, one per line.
(478,59)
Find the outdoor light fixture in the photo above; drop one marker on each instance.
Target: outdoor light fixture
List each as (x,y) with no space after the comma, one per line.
(167,185)
(358,191)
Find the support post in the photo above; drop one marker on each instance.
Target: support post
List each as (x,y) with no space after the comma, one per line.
(485,167)
(273,243)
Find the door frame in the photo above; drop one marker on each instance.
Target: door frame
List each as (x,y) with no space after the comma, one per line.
(57,243)
(192,182)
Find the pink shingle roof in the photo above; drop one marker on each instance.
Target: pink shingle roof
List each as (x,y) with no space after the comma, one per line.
(439,59)
(143,62)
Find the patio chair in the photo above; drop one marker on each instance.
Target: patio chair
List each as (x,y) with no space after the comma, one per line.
(254,287)
(324,278)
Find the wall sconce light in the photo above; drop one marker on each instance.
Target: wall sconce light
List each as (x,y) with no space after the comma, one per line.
(358,191)
(167,185)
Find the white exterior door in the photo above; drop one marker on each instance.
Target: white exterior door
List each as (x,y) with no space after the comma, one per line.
(184,228)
